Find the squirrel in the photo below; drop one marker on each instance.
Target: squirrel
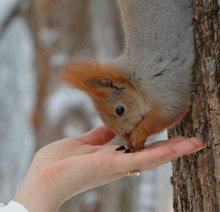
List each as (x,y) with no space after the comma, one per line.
(147,88)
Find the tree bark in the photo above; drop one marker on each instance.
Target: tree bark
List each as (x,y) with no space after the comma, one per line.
(196,178)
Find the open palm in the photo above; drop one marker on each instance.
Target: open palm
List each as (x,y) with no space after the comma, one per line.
(72,165)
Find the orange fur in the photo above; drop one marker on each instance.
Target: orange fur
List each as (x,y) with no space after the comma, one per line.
(154,122)
(83,74)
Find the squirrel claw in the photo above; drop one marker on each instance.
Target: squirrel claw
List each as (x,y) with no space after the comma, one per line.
(120,148)
(128,151)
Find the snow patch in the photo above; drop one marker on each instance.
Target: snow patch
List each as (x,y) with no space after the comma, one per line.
(64,100)
(48,36)
(58,60)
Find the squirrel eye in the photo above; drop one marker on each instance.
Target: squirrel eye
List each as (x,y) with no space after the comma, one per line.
(120,110)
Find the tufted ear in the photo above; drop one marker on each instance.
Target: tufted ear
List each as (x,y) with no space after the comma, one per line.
(95,79)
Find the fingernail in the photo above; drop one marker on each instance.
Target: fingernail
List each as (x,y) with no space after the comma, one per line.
(203,147)
(198,143)
(199,149)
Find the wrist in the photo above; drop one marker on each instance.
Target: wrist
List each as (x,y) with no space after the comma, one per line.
(35,199)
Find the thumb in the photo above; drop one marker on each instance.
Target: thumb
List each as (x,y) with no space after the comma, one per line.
(98,136)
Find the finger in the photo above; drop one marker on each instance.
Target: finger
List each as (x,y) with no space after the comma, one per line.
(176,146)
(109,149)
(170,141)
(84,144)
(166,151)
(163,142)
(97,136)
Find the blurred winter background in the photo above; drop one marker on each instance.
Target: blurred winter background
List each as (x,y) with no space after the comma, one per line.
(36,38)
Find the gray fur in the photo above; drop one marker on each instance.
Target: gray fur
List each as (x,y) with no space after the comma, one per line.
(159,52)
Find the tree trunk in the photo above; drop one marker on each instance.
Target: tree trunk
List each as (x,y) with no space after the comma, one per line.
(196,178)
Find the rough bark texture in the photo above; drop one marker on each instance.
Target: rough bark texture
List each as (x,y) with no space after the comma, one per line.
(196,179)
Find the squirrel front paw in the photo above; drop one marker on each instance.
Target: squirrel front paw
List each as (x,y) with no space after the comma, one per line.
(137,139)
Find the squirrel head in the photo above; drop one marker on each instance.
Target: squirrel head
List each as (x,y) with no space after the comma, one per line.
(115,97)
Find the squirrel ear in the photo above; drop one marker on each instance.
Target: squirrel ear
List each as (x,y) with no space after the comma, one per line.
(96,79)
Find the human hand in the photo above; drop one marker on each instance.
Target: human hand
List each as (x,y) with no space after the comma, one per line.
(70,166)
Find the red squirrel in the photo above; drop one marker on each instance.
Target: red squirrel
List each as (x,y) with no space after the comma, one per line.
(147,89)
